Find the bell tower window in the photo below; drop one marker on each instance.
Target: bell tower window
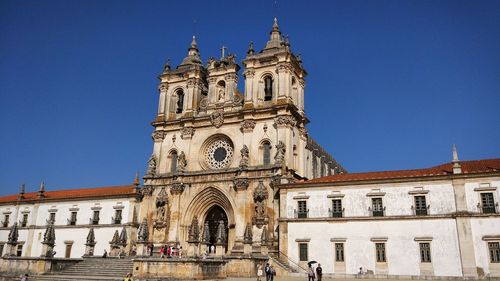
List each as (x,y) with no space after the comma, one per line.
(180,101)
(268,88)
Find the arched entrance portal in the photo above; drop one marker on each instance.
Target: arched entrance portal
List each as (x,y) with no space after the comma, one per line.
(214,217)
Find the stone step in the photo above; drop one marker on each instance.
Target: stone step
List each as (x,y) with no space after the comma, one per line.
(75,278)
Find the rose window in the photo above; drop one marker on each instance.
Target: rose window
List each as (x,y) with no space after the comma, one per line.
(219,154)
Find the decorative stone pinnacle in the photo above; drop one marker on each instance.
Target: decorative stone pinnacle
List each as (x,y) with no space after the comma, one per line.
(275,24)
(455,154)
(42,187)
(136,179)
(22,189)
(457,168)
(143,233)
(193,42)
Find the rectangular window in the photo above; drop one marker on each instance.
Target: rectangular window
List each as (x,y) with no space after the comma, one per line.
(303,252)
(337,208)
(1,250)
(302,209)
(24,222)
(19,250)
(377,207)
(339,252)
(425,252)
(52,217)
(72,220)
(5,222)
(488,203)
(380,252)
(118,217)
(95,217)
(420,206)
(494,248)
(67,253)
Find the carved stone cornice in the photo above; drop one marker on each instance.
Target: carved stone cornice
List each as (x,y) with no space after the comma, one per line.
(212,80)
(217,119)
(158,136)
(247,125)
(282,121)
(231,77)
(177,188)
(163,87)
(249,73)
(303,133)
(147,190)
(240,184)
(187,132)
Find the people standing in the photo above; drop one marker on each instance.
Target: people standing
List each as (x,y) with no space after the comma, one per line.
(259,272)
(105,255)
(272,273)
(267,271)
(310,273)
(319,272)
(162,252)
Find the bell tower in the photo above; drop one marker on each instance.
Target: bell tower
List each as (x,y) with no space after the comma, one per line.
(181,89)
(274,75)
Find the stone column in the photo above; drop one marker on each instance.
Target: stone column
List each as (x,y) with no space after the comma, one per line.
(249,89)
(464,231)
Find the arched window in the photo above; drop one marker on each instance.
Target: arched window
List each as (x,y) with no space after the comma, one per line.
(180,101)
(173,161)
(268,88)
(314,167)
(266,153)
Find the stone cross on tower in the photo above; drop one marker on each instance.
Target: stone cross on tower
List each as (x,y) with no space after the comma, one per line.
(223,50)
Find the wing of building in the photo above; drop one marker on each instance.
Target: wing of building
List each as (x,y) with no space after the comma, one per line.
(237,176)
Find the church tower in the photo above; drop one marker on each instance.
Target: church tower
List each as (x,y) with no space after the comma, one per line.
(218,154)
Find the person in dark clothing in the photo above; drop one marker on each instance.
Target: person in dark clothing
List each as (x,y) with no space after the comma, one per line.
(105,255)
(319,272)
(267,270)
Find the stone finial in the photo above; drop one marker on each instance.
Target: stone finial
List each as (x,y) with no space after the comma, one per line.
(194,230)
(123,237)
(49,237)
(248,236)
(143,233)
(206,233)
(151,166)
(221,233)
(251,50)
(116,238)
(13,234)
(136,180)
(166,67)
(275,25)
(457,167)
(263,237)
(41,190)
(90,237)
(193,42)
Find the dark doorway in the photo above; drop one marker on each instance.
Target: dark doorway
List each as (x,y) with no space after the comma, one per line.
(214,216)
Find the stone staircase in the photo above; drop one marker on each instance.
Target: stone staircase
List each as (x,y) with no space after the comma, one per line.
(92,269)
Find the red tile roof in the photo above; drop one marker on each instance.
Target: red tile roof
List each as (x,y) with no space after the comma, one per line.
(468,167)
(72,194)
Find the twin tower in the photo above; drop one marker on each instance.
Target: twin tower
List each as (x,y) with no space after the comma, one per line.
(273,76)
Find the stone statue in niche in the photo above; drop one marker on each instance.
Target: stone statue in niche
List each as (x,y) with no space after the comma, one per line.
(161,204)
(279,157)
(181,162)
(260,196)
(245,153)
(151,166)
(221,95)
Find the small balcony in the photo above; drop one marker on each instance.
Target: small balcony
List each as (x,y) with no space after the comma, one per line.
(336,213)
(49,221)
(117,220)
(420,211)
(23,223)
(94,221)
(488,209)
(5,223)
(378,212)
(301,215)
(71,221)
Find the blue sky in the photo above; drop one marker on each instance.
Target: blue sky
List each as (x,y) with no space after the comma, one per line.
(391,85)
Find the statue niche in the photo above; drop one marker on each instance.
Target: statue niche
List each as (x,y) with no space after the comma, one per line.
(260,196)
(162,212)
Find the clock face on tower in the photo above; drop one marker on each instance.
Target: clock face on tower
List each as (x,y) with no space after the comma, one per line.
(219,154)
